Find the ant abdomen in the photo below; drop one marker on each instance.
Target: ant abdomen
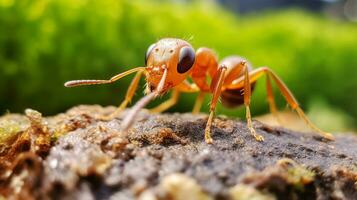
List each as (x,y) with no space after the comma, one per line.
(232,98)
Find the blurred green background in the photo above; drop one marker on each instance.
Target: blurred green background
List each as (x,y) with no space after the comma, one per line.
(44,43)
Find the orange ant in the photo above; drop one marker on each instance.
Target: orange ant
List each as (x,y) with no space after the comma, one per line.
(169,63)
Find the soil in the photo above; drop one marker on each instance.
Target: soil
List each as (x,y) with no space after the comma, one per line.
(75,155)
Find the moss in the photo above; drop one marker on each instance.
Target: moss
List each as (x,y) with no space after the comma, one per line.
(300,176)
(296,174)
(10,128)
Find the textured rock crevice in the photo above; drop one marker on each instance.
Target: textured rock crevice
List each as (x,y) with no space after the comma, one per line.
(76,156)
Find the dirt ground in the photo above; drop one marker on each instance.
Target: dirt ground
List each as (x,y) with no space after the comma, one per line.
(75,155)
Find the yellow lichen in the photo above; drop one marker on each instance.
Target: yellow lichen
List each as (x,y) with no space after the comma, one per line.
(246,192)
(297,174)
(182,187)
(178,187)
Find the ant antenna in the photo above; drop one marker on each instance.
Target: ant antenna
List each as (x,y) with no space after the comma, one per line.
(96,82)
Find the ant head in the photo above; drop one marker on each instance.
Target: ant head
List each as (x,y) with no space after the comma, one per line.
(174,55)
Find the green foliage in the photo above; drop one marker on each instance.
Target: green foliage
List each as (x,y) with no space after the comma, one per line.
(45,43)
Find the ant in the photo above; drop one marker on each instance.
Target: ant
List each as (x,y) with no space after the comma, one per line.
(169,62)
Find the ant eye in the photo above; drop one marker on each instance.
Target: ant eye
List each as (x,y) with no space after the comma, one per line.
(186,59)
(148,52)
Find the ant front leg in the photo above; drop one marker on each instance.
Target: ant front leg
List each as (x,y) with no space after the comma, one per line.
(128,97)
(216,85)
(185,86)
(167,104)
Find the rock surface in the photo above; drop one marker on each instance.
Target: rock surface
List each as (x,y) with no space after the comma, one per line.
(76,156)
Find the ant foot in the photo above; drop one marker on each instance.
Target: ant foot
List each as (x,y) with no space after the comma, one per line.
(107,117)
(208,137)
(104,118)
(153,111)
(257,137)
(328,136)
(209,140)
(114,114)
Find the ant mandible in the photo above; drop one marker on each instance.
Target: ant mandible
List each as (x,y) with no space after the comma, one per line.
(169,62)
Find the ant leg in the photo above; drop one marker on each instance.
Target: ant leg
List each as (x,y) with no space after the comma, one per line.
(131,91)
(130,117)
(289,97)
(216,85)
(247,96)
(198,103)
(185,86)
(128,97)
(167,104)
(271,101)
(294,104)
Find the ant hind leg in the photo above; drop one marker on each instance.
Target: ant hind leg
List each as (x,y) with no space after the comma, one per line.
(271,101)
(284,90)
